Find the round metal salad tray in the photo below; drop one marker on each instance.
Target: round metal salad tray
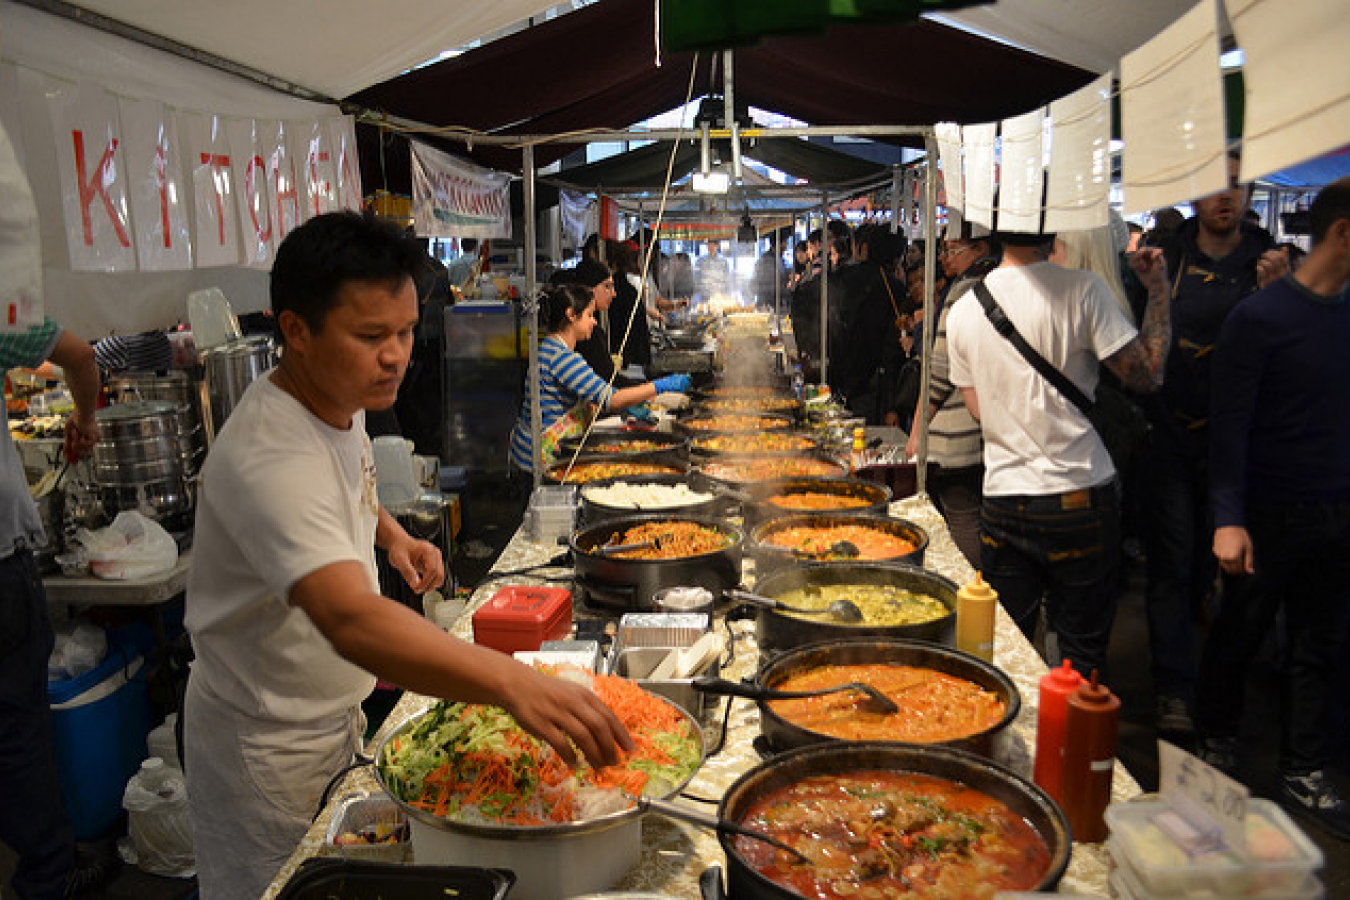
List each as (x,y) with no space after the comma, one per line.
(530,832)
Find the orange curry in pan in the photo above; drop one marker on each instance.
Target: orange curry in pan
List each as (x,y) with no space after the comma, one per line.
(872,543)
(934,707)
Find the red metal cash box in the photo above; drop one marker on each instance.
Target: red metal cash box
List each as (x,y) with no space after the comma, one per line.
(521,617)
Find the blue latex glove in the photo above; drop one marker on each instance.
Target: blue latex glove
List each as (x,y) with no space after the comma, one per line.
(640,414)
(672,384)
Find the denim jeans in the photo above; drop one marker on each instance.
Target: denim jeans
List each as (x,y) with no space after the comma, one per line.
(33,821)
(1302,561)
(1064,548)
(958,493)
(1177,540)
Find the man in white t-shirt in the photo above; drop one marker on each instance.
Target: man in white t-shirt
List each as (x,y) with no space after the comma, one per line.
(1050,520)
(283,603)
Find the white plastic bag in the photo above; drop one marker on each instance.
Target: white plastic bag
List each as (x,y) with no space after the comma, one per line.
(133,546)
(158,820)
(77,651)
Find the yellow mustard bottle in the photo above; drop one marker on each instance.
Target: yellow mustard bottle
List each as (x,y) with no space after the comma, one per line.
(975,618)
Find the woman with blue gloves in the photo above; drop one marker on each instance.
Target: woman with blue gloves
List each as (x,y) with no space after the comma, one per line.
(570,392)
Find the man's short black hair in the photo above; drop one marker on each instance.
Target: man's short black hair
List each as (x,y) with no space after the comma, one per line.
(1332,203)
(320,257)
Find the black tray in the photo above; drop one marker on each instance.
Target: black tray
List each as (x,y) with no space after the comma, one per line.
(330,878)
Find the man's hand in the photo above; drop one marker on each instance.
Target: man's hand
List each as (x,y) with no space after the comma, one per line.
(1233,547)
(81,434)
(562,713)
(1148,264)
(419,562)
(1273,265)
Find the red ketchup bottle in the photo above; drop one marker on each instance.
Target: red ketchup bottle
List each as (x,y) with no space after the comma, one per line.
(1052,707)
(1089,759)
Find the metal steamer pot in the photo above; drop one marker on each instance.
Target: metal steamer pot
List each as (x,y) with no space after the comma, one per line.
(783,734)
(669,447)
(877,497)
(593,512)
(631,584)
(770,558)
(230,368)
(779,631)
(1021,796)
(138,462)
(177,387)
(551,862)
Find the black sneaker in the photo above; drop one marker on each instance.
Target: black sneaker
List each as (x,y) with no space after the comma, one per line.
(1314,797)
(1221,753)
(1174,718)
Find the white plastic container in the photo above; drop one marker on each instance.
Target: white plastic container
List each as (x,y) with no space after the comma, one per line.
(552,513)
(1162,868)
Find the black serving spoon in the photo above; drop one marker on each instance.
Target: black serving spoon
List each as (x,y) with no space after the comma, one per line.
(871,698)
(843,610)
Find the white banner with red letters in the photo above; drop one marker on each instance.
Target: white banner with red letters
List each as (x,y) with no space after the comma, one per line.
(453,198)
(150,188)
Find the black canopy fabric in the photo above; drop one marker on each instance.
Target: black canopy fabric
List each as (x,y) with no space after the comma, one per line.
(646,166)
(594,68)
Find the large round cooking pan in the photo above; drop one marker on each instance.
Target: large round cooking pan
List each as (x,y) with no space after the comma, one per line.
(773,443)
(748,422)
(1021,796)
(738,471)
(636,581)
(590,467)
(785,734)
(780,631)
(627,445)
(594,510)
(747,405)
(776,498)
(770,557)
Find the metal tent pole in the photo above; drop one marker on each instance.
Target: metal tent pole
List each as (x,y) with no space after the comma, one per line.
(824,286)
(929,326)
(536,421)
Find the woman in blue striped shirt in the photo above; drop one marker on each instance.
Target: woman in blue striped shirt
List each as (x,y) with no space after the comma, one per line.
(568,312)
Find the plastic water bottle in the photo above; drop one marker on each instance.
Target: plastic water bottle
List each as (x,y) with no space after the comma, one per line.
(162,742)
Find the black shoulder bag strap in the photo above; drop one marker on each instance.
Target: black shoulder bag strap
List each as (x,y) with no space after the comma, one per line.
(1004,326)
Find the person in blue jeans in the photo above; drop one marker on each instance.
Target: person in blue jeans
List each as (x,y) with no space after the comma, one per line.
(1051,519)
(1280,487)
(33,821)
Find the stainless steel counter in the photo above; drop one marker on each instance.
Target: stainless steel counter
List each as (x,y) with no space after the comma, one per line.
(86,590)
(674,855)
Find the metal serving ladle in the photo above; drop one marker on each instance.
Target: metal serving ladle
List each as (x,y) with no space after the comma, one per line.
(716,823)
(871,698)
(843,610)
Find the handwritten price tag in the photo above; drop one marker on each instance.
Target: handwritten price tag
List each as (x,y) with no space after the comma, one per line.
(1202,795)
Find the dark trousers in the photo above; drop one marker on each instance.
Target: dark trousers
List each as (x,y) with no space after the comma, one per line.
(1178,537)
(32,818)
(1065,548)
(1302,562)
(958,494)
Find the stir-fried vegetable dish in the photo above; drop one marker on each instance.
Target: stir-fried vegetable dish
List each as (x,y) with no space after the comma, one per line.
(934,706)
(826,542)
(762,442)
(624,446)
(882,605)
(472,763)
(881,835)
(735,423)
(594,471)
(672,540)
(769,469)
(750,403)
(818,500)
